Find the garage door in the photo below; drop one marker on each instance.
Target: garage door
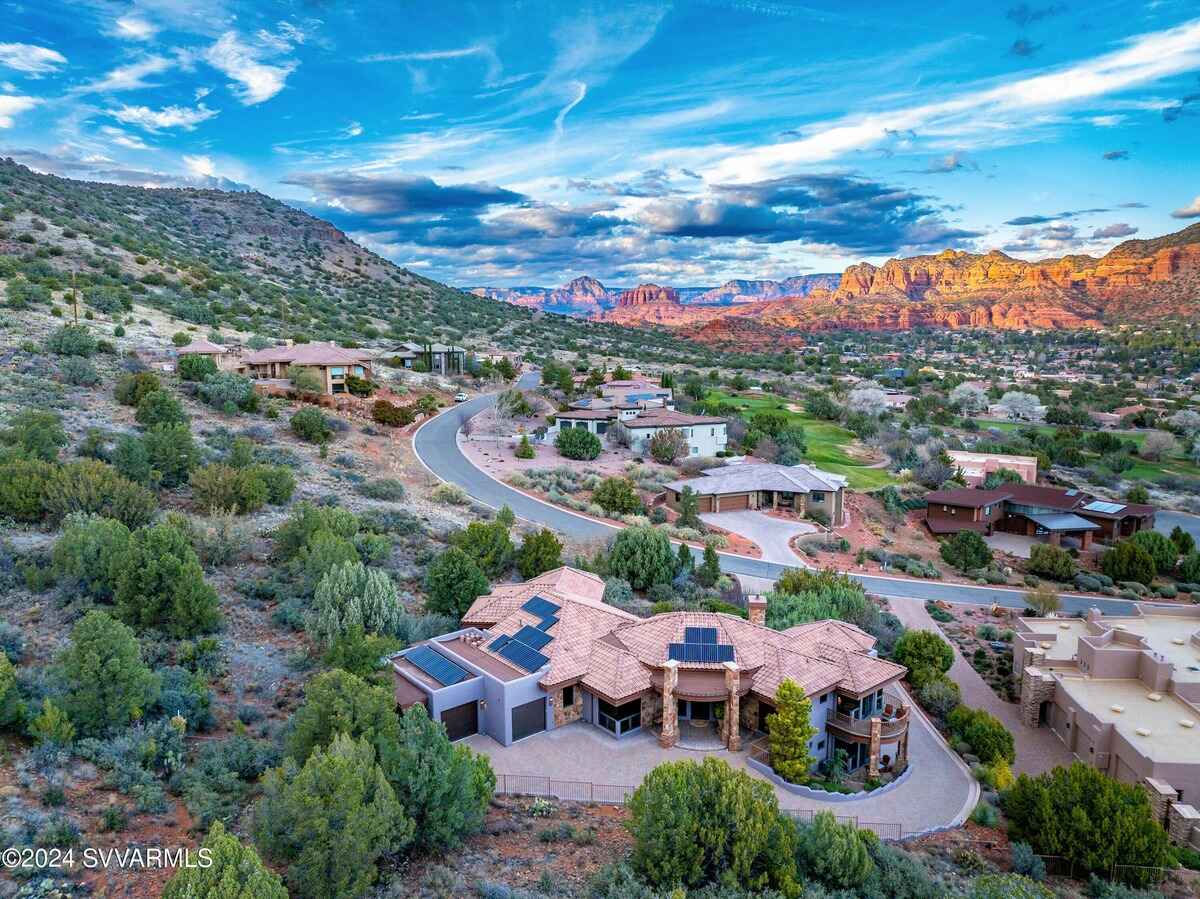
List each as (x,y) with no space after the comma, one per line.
(462,720)
(528,718)
(705,504)
(733,503)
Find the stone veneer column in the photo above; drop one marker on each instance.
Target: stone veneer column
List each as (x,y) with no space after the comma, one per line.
(1036,688)
(902,750)
(733,732)
(669,734)
(756,608)
(873,758)
(1162,795)
(1181,821)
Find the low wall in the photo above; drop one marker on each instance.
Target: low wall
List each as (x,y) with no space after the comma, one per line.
(824,795)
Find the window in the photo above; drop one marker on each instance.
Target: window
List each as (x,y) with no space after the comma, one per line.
(620,719)
(820,746)
(818,496)
(359,370)
(695,450)
(568,697)
(987,510)
(338,372)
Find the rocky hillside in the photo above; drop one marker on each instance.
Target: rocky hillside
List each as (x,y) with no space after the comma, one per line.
(250,264)
(738,291)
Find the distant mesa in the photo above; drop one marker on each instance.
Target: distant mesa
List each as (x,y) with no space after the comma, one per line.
(648,295)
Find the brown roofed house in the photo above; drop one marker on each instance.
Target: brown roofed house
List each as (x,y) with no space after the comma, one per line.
(332,364)
(550,652)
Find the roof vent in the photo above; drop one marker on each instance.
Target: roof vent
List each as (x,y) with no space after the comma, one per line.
(1178,641)
(1187,722)
(1117,708)
(1046,645)
(1154,697)
(1143,731)
(1120,627)
(1064,627)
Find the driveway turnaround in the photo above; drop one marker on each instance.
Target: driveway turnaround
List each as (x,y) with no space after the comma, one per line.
(940,791)
(436,445)
(771,534)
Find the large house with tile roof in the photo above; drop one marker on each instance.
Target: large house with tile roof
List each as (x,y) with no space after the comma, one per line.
(802,489)
(706,435)
(331,364)
(550,652)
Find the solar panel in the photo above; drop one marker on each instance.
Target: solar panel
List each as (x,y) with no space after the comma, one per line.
(522,656)
(540,606)
(1103,507)
(700,652)
(532,637)
(699,635)
(437,666)
(499,643)
(548,622)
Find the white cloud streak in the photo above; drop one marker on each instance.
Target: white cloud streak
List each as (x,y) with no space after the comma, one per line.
(182,117)
(31,59)
(11,105)
(580,93)
(255,81)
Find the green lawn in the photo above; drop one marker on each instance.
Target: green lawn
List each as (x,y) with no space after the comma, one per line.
(826,441)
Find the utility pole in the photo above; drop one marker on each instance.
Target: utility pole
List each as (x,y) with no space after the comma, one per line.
(75,298)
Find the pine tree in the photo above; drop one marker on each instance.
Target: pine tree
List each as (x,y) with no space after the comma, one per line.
(337,702)
(452,582)
(160,584)
(539,553)
(352,595)
(684,561)
(108,685)
(12,709)
(789,730)
(235,872)
(710,568)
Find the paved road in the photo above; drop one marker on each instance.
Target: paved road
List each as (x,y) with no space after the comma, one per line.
(436,445)
(1165,521)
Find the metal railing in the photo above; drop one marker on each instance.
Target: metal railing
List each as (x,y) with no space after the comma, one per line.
(892,726)
(538,786)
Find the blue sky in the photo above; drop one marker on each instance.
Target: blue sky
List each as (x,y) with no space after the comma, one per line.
(525,143)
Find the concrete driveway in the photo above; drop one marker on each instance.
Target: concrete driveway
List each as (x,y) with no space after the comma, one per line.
(1013,544)
(770,534)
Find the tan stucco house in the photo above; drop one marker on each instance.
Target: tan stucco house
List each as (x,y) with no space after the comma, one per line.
(803,489)
(332,364)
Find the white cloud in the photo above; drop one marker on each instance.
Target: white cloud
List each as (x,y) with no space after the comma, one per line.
(199,165)
(167,117)
(31,59)
(11,105)
(1107,121)
(124,138)
(580,93)
(354,129)
(1190,211)
(133,28)
(128,78)
(1144,59)
(255,81)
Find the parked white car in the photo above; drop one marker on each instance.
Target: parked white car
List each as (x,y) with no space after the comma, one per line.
(460,397)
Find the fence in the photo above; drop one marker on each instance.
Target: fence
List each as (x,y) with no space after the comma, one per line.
(617,794)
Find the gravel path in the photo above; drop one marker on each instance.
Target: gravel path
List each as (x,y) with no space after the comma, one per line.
(1038,749)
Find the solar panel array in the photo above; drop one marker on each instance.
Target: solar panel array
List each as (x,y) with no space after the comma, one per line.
(1103,507)
(699,635)
(541,607)
(522,656)
(532,637)
(700,652)
(437,666)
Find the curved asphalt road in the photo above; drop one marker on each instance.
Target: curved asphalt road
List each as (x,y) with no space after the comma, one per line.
(436,445)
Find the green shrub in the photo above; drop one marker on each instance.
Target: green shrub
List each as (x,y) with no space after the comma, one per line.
(698,823)
(540,552)
(337,702)
(160,407)
(387,413)
(1189,568)
(130,389)
(279,481)
(12,707)
(1127,561)
(966,550)
(835,854)
(488,544)
(388,489)
(940,696)
(790,730)
(1051,562)
(452,582)
(23,484)
(79,372)
(219,487)
(306,521)
(160,584)
(181,338)
(1007,886)
(35,434)
(72,340)
(577,443)
(667,445)
(229,392)
(1160,547)
(642,556)
(107,684)
(525,449)
(1087,817)
(171,453)
(988,737)
(195,367)
(86,552)
(351,596)
(311,424)
(925,654)
(233,869)
(92,487)
(617,495)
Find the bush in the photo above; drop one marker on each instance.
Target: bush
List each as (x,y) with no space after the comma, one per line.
(487,543)
(330,820)
(87,551)
(1160,547)
(130,389)
(577,443)
(444,788)
(386,413)
(171,453)
(23,484)
(452,583)
(617,495)
(1088,818)
(351,596)
(195,367)
(311,424)
(160,584)
(966,550)
(940,696)
(988,737)
(1128,562)
(231,863)
(642,556)
(835,854)
(72,340)
(448,493)
(1189,568)
(337,702)
(698,823)
(92,487)
(35,434)
(229,392)
(12,708)
(160,407)
(924,654)
(667,445)
(540,552)
(1007,886)
(1051,562)
(388,489)
(107,685)
(524,448)
(1027,863)
(219,487)
(79,372)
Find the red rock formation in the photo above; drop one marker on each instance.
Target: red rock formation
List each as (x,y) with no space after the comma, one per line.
(648,295)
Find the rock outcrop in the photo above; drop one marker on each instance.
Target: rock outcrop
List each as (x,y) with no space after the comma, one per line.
(648,295)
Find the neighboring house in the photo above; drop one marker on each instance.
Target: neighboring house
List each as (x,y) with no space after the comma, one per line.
(977,466)
(1034,511)
(803,489)
(226,358)
(331,363)
(897,399)
(997,410)
(706,436)
(1123,694)
(1105,419)
(547,653)
(439,358)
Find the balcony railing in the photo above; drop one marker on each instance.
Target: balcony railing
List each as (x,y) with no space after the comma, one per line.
(893,720)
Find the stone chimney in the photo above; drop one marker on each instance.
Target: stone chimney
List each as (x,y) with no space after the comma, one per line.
(756,605)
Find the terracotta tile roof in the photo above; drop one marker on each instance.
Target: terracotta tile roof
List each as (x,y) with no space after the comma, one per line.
(202,347)
(308,354)
(668,418)
(761,476)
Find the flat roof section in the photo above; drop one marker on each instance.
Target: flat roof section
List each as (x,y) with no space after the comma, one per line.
(1166,741)
(476,656)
